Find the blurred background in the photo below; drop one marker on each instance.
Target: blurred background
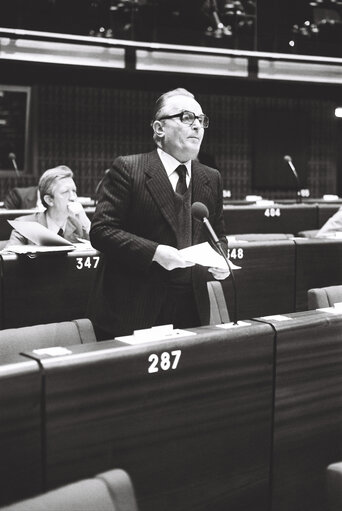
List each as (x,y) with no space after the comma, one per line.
(295,26)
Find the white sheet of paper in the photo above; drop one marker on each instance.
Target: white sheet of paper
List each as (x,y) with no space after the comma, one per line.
(38,234)
(55,351)
(38,249)
(205,255)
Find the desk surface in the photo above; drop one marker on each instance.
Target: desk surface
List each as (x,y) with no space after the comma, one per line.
(318,264)
(266,282)
(308,409)
(270,219)
(20,434)
(196,437)
(45,289)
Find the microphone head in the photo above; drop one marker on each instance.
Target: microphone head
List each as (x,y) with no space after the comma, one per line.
(287,158)
(11,156)
(199,211)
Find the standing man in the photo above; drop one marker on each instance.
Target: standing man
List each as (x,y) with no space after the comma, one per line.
(142,220)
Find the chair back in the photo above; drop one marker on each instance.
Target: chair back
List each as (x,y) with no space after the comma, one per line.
(324,297)
(109,491)
(15,340)
(334,486)
(218,307)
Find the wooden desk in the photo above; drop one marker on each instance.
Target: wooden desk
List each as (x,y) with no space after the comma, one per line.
(266,281)
(46,289)
(318,264)
(270,219)
(196,437)
(21,470)
(307,409)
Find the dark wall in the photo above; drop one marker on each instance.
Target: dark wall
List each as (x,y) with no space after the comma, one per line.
(85,118)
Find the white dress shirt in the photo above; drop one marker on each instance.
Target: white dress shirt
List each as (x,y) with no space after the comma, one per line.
(170,164)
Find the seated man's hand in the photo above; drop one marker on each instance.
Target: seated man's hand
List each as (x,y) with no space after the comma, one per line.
(77,209)
(219,274)
(170,258)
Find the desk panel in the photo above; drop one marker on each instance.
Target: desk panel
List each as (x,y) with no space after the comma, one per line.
(266,281)
(196,437)
(270,219)
(308,409)
(45,289)
(20,434)
(318,264)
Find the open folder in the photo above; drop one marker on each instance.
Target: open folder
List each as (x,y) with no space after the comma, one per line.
(44,240)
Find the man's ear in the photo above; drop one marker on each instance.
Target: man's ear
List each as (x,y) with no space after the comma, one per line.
(158,128)
(49,200)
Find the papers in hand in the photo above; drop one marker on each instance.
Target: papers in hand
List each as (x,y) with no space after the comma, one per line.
(205,255)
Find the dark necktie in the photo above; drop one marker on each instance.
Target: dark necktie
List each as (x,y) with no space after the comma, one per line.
(181,187)
(60,232)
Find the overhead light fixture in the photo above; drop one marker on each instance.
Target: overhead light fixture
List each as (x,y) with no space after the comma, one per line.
(338,111)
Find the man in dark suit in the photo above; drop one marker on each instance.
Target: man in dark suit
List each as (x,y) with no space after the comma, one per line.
(143,219)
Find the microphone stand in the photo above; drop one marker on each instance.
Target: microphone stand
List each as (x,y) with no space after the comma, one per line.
(235,318)
(220,249)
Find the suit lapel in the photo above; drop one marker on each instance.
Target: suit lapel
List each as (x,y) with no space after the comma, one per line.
(70,228)
(201,192)
(160,188)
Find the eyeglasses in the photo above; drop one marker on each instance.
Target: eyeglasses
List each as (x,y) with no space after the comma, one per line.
(188,118)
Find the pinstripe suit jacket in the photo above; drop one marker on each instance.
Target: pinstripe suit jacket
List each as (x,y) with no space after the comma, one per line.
(135,214)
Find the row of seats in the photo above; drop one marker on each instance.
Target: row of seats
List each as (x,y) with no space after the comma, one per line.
(277,218)
(109,491)
(274,278)
(244,417)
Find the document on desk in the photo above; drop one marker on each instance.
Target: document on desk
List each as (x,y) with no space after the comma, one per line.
(45,240)
(205,255)
(39,234)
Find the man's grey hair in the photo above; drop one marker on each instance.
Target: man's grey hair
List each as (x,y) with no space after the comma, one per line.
(160,104)
(49,178)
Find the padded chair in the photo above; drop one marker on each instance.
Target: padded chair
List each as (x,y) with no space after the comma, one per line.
(218,307)
(334,486)
(109,491)
(324,297)
(66,333)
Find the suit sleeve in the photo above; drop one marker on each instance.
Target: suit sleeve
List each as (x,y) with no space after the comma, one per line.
(110,232)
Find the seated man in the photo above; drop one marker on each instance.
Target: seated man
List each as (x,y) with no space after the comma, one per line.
(63,215)
(331,226)
(23,198)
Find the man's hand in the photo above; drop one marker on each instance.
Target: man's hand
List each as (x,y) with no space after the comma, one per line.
(76,209)
(219,274)
(170,258)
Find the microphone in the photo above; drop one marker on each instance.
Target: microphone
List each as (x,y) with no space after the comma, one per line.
(12,157)
(288,159)
(200,212)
